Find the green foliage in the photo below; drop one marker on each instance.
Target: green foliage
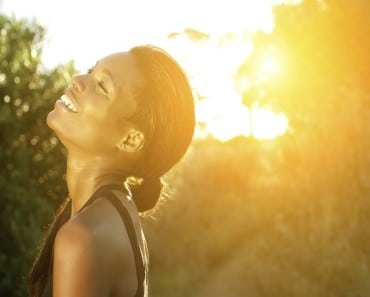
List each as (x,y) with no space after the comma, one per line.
(31,161)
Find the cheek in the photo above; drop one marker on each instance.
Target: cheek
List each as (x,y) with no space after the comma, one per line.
(125,104)
(61,123)
(108,123)
(96,132)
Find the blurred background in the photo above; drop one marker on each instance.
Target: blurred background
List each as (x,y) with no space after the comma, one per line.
(273,196)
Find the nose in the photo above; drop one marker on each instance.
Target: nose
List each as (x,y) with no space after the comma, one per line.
(78,84)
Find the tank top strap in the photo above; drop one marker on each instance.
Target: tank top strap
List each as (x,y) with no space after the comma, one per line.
(105,190)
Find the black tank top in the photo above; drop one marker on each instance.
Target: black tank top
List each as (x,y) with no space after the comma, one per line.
(136,236)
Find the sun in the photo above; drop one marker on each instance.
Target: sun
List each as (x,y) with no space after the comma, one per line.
(269,65)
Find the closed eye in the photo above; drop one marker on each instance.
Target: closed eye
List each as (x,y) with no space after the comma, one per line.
(102,86)
(100,83)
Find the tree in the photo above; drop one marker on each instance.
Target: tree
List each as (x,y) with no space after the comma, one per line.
(31,161)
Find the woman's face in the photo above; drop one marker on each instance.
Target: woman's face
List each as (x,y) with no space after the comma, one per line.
(93,113)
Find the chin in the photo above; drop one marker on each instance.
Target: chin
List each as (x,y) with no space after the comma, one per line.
(57,122)
(54,122)
(50,120)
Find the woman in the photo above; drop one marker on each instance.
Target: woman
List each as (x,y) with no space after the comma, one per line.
(131,117)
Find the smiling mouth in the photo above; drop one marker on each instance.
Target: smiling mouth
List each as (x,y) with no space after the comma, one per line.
(69,103)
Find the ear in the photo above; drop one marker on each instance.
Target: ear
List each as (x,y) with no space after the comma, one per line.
(132,141)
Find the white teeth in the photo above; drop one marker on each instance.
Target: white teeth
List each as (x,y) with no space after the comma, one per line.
(69,103)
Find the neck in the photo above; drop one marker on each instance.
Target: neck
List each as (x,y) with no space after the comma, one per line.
(86,175)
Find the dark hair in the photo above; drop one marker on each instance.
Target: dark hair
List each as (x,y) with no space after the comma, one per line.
(166,108)
(166,113)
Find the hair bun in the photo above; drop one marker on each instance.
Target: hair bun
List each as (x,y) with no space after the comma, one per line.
(147,193)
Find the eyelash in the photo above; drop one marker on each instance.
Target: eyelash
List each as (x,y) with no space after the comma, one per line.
(100,83)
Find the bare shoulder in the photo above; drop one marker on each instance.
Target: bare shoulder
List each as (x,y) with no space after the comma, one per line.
(76,254)
(97,229)
(74,237)
(93,247)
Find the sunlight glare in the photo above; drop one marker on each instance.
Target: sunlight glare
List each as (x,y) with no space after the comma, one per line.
(268,124)
(220,112)
(269,65)
(222,121)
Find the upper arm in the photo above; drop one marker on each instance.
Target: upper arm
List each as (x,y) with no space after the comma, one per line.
(78,264)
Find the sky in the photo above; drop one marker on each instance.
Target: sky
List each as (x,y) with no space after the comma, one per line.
(85,31)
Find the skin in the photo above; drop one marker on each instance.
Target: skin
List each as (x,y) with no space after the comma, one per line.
(92,251)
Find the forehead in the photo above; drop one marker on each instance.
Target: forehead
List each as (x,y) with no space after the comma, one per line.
(122,68)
